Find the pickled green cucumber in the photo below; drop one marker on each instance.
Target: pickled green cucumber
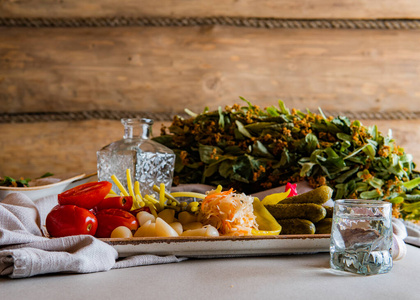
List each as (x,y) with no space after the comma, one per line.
(296,226)
(319,195)
(323,226)
(330,210)
(309,211)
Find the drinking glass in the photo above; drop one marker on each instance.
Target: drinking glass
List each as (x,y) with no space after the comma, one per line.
(361,237)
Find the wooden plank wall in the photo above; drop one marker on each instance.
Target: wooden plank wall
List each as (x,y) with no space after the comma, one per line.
(164,69)
(303,9)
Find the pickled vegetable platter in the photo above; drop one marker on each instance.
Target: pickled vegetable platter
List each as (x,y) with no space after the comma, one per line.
(93,208)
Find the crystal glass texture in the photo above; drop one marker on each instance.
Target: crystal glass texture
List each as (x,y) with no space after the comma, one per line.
(361,237)
(149,162)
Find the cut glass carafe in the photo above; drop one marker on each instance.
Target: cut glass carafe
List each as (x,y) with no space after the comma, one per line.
(150,163)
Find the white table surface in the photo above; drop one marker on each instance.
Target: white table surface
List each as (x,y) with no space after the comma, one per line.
(276,277)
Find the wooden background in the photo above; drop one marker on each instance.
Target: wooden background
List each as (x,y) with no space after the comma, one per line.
(164,69)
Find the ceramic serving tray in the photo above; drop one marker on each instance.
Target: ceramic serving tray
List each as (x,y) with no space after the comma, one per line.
(202,247)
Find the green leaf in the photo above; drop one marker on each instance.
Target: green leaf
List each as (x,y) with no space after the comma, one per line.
(369,151)
(355,152)
(344,137)
(221,118)
(272,111)
(283,108)
(396,200)
(362,187)
(373,132)
(306,168)
(258,149)
(242,129)
(211,169)
(208,153)
(311,142)
(238,177)
(322,113)
(343,177)
(412,183)
(260,127)
(226,168)
(370,195)
(376,182)
(251,107)
(190,113)
(48,174)
(242,168)
(341,191)
(285,157)
(411,197)
(176,130)
(331,153)
(234,151)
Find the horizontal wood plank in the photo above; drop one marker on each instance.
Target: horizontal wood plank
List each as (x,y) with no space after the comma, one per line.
(169,69)
(305,9)
(31,150)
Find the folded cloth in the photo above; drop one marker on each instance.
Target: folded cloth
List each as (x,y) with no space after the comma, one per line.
(25,252)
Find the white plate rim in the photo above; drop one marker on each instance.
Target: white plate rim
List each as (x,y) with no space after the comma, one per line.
(224,246)
(46,186)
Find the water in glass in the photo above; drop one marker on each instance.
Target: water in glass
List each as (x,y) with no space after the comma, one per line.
(361,237)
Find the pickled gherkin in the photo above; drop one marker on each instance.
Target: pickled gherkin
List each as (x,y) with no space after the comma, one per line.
(330,211)
(319,195)
(324,226)
(296,226)
(309,211)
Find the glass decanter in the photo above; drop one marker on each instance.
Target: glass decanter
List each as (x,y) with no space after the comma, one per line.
(149,162)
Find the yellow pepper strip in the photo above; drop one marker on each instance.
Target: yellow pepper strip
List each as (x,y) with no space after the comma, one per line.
(151,199)
(137,189)
(152,209)
(188,194)
(138,199)
(267,224)
(275,198)
(136,203)
(219,189)
(120,186)
(167,195)
(162,196)
(112,192)
(129,184)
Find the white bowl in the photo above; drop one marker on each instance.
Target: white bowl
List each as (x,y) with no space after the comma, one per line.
(37,192)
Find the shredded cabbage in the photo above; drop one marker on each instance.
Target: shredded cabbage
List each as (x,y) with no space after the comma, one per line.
(230,213)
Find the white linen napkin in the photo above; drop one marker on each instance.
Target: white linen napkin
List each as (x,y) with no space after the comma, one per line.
(24,252)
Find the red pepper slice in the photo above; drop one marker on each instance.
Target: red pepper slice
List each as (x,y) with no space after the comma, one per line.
(65,220)
(111,218)
(86,195)
(136,211)
(292,188)
(122,202)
